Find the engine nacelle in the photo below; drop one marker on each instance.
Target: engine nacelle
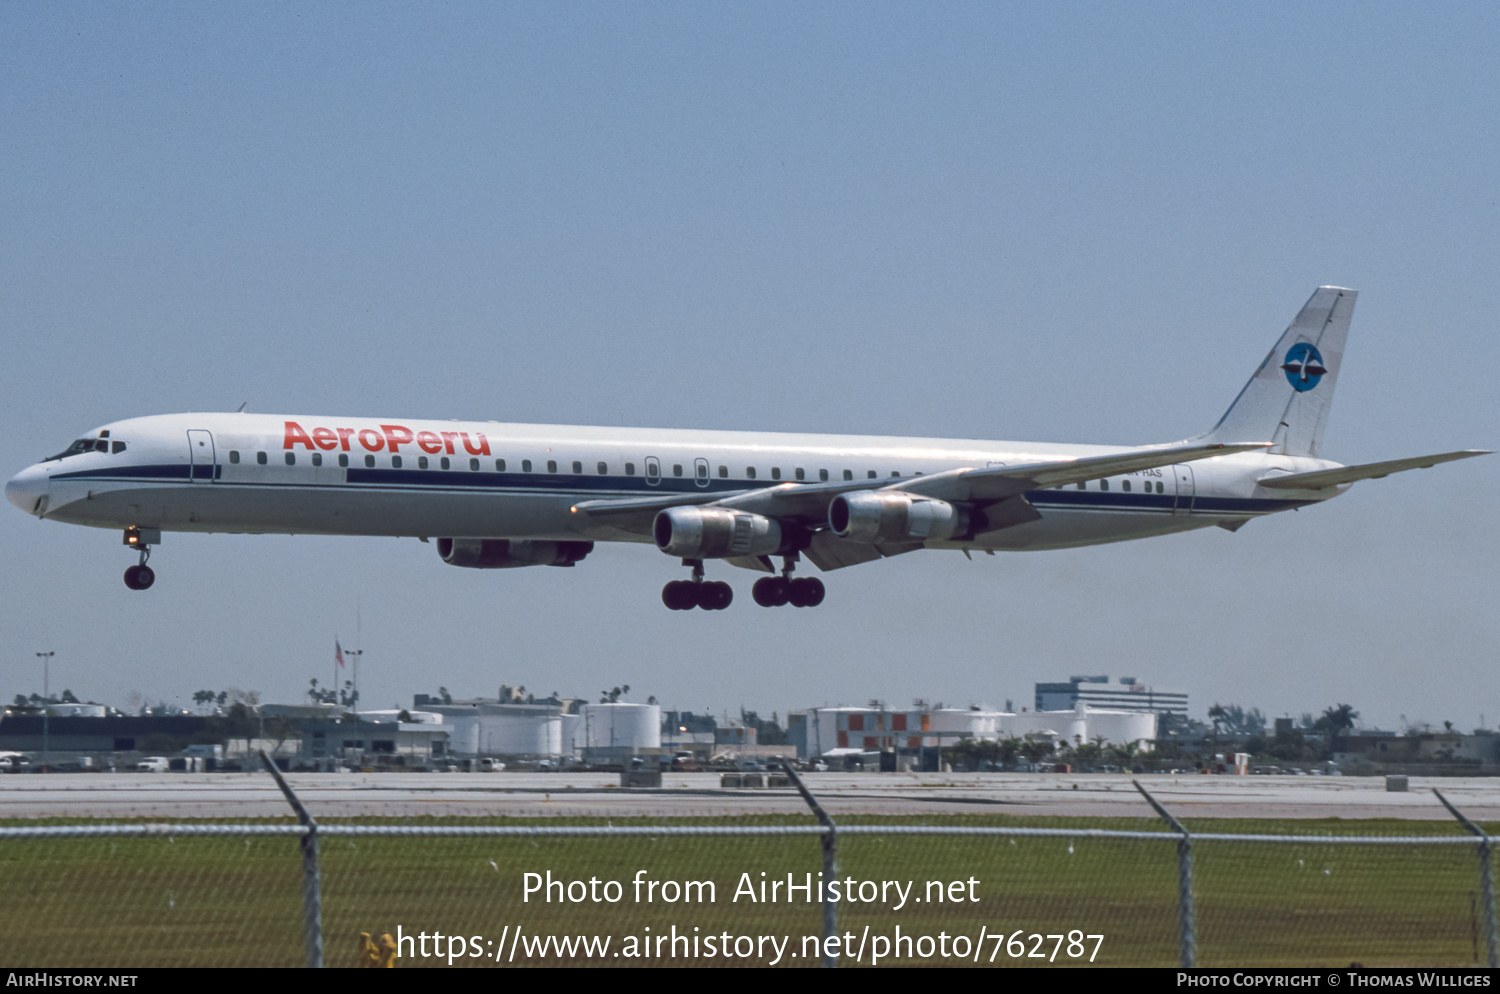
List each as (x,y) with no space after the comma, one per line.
(894,517)
(715,533)
(503,553)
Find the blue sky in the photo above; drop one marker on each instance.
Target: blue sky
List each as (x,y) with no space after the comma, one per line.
(1067,222)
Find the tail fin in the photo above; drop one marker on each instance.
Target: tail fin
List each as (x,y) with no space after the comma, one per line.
(1287,400)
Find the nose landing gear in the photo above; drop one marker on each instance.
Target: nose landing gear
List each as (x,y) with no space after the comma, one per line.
(684,595)
(141,576)
(776,591)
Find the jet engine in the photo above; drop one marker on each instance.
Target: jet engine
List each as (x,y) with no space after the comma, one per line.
(715,533)
(894,517)
(502,553)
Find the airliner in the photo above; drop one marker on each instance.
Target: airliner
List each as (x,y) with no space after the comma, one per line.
(493,495)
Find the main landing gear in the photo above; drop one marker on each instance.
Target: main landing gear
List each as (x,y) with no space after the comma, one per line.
(771,591)
(684,595)
(140,577)
(775,591)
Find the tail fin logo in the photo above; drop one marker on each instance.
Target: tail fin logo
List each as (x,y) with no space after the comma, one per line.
(1303,367)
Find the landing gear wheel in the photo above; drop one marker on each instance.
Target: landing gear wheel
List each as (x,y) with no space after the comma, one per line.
(139,577)
(680,595)
(806,591)
(770,591)
(715,596)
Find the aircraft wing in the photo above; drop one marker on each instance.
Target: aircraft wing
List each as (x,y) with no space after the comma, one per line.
(808,502)
(1324,478)
(1000,482)
(633,515)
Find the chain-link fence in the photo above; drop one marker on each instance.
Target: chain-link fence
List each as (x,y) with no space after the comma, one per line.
(742,892)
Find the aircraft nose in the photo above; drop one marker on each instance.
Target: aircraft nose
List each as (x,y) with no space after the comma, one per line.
(27,488)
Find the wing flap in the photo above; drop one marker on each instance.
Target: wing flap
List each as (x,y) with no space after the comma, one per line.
(1324,478)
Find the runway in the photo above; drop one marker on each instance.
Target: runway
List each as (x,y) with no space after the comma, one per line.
(517,794)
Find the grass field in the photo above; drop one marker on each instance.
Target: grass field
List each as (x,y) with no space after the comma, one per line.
(228,901)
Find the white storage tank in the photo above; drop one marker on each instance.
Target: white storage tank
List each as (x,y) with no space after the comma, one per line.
(572,732)
(520,730)
(979,725)
(621,726)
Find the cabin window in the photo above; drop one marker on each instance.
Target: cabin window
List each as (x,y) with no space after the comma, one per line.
(552,465)
(653,471)
(234,455)
(701,468)
(723,472)
(870,475)
(1103,484)
(775,472)
(848,474)
(1083,485)
(290,458)
(260,458)
(630,469)
(343,459)
(473,464)
(1125,485)
(1159,488)
(603,468)
(421,462)
(317,458)
(577,467)
(525,465)
(499,465)
(444,463)
(749,472)
(799,473)
(395,462)
(677,469)
(369,462)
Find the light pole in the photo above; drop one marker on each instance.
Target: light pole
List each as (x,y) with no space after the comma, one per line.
(354,698)
(46,658)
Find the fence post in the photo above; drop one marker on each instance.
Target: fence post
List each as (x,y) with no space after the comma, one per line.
(312,891)
(1184,877)
(830,864)
(1486,881)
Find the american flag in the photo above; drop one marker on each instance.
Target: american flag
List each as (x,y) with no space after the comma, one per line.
(338,652)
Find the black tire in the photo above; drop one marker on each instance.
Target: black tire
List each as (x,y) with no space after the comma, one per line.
(764,591)
(669,595)
(145,578)
(815,592)
(130,577)
(804,592)
(723,596)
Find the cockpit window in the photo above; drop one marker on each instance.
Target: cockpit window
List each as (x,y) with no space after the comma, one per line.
(117,447)
(81,445)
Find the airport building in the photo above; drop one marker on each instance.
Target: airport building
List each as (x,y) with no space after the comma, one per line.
(1125,694)
(917,735)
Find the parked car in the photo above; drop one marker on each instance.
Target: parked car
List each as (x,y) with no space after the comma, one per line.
(684,762)
(154,764)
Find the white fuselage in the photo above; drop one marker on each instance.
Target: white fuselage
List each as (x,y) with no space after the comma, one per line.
(363,476)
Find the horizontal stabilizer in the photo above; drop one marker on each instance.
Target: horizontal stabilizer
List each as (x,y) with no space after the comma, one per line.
(1324,478)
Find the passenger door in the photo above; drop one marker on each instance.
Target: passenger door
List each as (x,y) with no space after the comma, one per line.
(1184,475)
(202,465)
